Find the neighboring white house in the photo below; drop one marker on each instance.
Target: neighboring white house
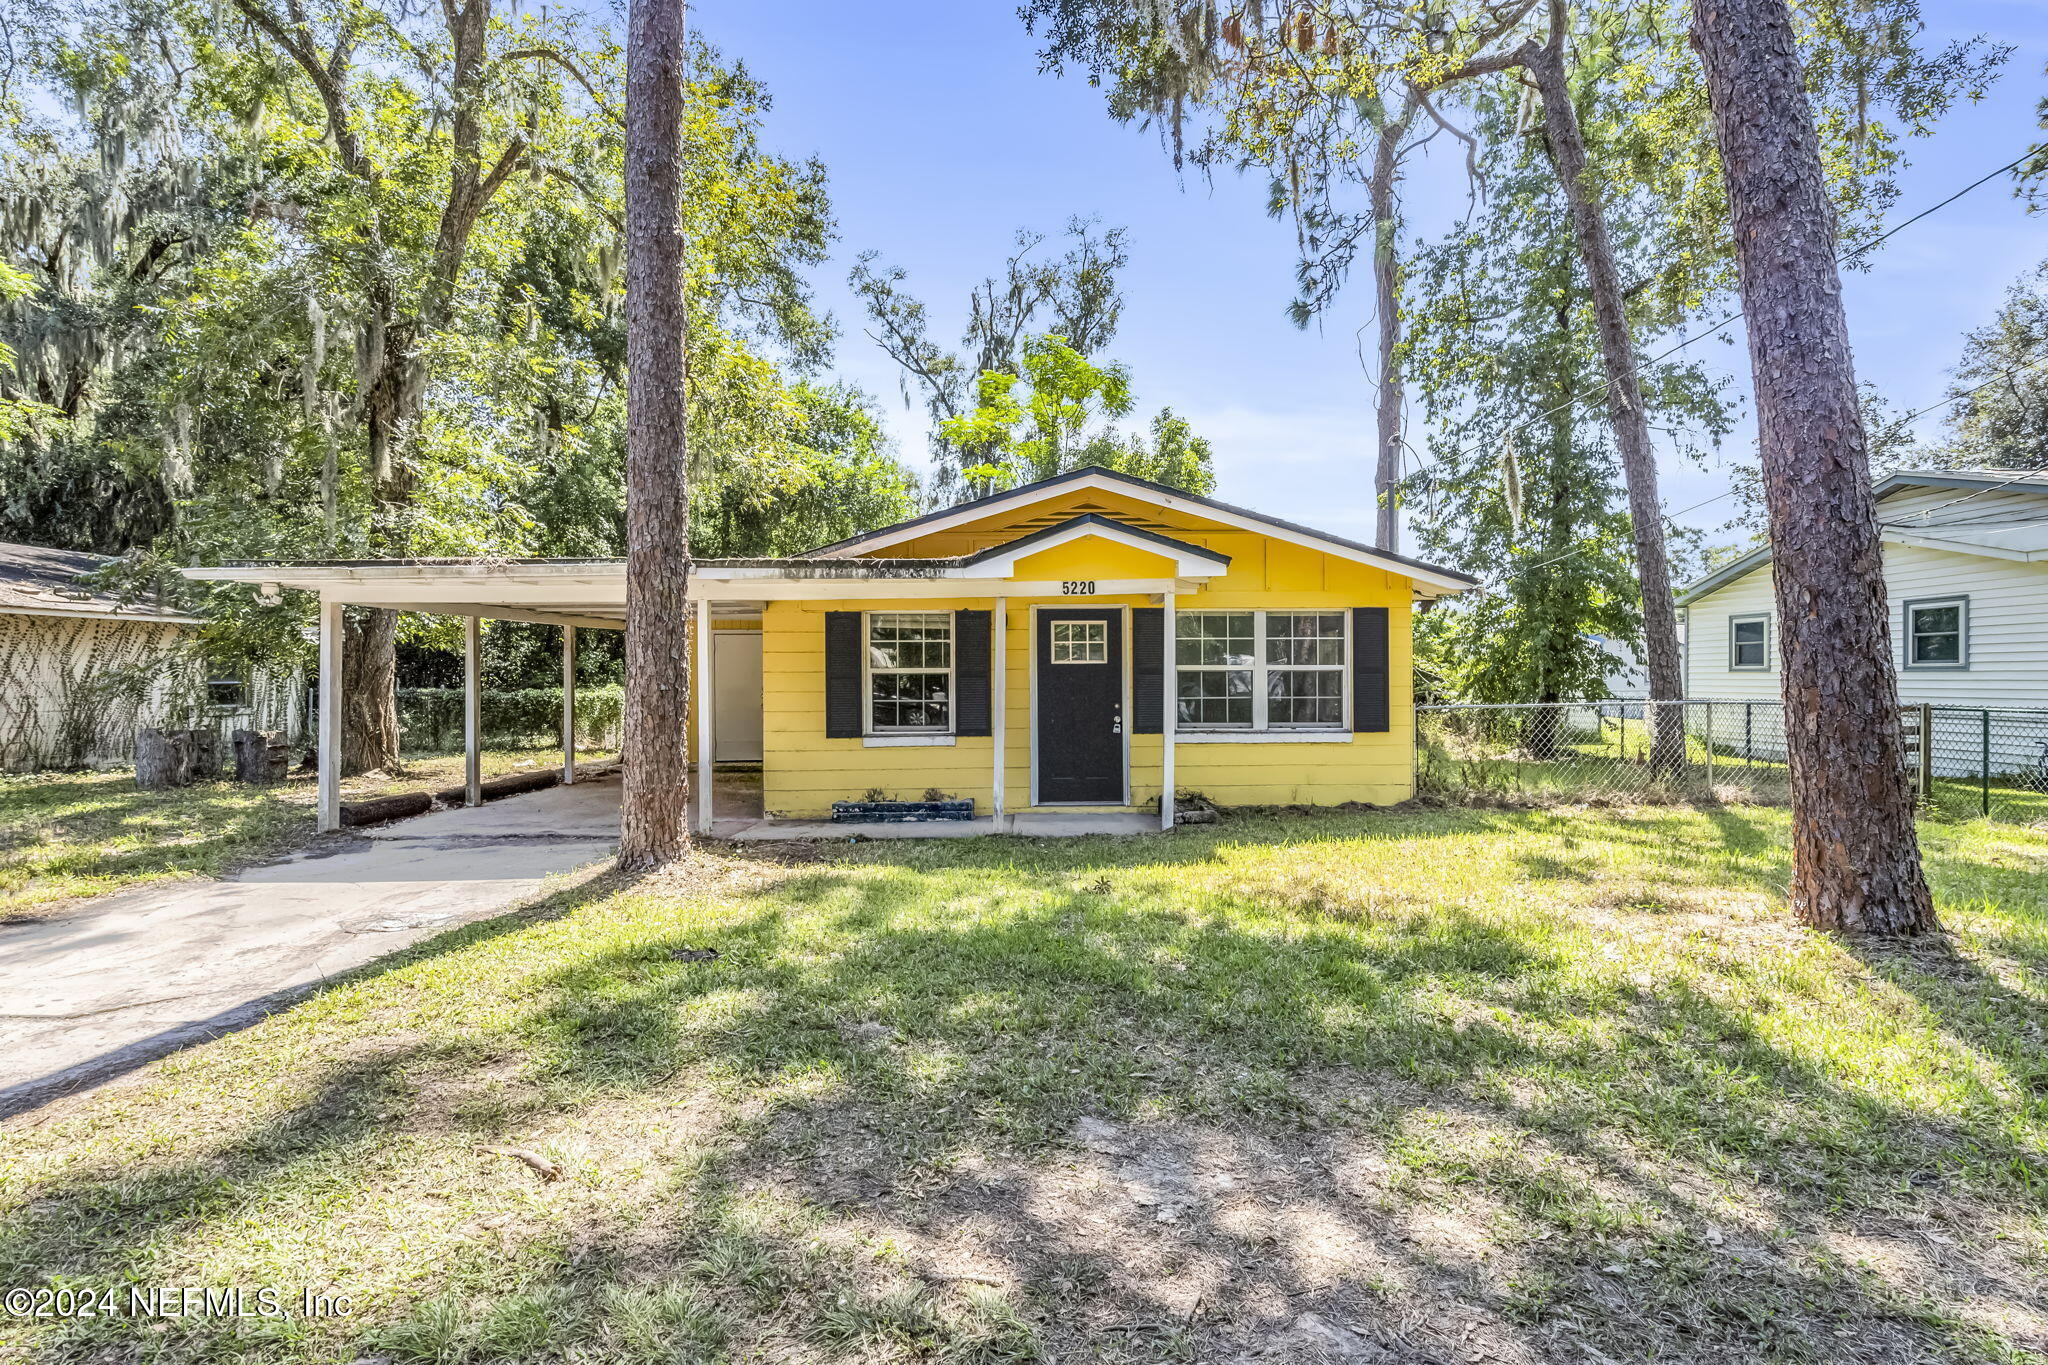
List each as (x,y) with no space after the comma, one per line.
(1966,572)
(81,669)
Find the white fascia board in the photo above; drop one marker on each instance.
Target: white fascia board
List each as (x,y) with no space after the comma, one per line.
(1923,541)
(855,589)
(1096,483)
(88,614)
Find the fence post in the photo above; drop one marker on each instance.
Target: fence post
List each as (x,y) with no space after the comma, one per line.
(1621,719)
(1749,732)
(1710,750)
(1926,752)
(1985,774)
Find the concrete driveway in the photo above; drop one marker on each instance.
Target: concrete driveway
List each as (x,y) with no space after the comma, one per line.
(141,974)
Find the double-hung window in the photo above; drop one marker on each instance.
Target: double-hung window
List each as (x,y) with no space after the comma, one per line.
(227,685)
(1749,642)
(910,672)
(1260,670)
(1937,633)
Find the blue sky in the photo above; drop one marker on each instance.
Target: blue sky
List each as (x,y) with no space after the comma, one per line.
(942,138)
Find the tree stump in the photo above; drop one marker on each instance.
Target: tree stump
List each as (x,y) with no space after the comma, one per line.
(261,757)
(163,758)
(204,764)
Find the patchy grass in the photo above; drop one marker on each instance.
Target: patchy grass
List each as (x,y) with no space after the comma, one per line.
(1418,1086)
(64,836)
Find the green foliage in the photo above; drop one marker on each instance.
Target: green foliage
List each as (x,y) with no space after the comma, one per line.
(225,270)
(1053,417)
(2001,418)
(1019,402)
(1523,486)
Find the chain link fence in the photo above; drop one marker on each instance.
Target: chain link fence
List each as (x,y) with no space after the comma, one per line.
(1965,761)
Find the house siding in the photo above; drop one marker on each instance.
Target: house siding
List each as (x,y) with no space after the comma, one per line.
(2008,629)
(74,690)
(805,772)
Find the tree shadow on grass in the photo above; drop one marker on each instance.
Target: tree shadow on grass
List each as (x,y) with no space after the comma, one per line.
(1347,1108)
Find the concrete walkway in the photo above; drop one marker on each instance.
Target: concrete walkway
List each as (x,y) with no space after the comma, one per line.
(141,974)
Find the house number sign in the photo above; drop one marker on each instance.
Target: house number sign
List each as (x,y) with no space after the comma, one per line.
(1078,588)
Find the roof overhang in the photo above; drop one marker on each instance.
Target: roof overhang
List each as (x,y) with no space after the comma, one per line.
(86,613)
(1429,579)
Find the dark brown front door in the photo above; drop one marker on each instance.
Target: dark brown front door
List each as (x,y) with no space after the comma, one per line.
(1080,707)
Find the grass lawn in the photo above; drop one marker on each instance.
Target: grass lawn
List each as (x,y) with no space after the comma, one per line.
(1429,1086)
(68,835)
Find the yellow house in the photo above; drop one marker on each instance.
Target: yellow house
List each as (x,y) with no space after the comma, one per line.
(1071,648)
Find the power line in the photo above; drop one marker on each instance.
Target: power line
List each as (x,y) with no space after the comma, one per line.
(1636,368)
(2023,476)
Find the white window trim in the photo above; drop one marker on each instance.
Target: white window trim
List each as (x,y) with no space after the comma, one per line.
(1744,617)
(1260,726)
(872,732)
(1961,603)
(1301,735)
(907,739)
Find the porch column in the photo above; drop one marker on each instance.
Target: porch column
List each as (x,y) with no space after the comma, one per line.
(472,712)
(568,705)
(1167,707)
(328,812)
(998,700)
(704,715)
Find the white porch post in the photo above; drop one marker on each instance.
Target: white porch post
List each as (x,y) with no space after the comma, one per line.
(999,700)
(1167,708)
(328,815)
(568,705)
(704,739)
(472,711)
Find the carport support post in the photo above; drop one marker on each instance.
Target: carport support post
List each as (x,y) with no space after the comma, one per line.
(1166,716)
(704,741)
(472,712)
(568,704)
(329,760)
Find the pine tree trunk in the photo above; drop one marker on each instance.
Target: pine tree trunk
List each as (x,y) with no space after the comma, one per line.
(1387,302)
(1855,855)
(654,826)
(1545,64)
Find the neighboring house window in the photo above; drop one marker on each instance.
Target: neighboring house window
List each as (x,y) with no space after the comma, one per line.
(227,686)
(1260,670)
(910,671)
(1749,642)
(1937,633)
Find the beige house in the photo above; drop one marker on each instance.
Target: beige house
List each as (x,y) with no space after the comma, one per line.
(81,669)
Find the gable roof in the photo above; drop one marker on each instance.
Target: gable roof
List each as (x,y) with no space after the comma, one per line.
(38,581)
(1094,476)
(1945,526)
(1184,556)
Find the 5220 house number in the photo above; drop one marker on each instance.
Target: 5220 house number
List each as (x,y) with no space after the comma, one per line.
(1083,587)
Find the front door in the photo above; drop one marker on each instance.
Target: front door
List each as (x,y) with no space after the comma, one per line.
(1080,707)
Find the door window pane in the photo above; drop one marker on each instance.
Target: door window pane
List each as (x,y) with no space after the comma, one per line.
(1080,642)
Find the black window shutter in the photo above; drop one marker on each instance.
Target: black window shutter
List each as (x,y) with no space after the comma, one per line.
(843,702)
(1148,669)
(971,672)
(1371,680)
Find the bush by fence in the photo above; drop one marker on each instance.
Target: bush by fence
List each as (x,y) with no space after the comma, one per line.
(430,718)
(1980,761)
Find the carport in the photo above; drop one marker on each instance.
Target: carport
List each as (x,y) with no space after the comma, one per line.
(586,594)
